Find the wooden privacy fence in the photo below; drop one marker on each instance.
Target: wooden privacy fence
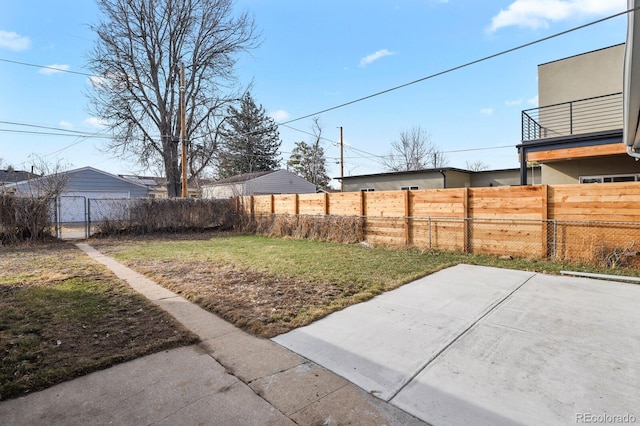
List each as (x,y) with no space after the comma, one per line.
(570,222)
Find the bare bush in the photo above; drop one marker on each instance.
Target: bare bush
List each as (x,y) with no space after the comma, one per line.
(24,219)
(340,229)
(615,257)
(146,216)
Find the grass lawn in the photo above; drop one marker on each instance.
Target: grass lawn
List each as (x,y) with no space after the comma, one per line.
(63,315)
(268,286)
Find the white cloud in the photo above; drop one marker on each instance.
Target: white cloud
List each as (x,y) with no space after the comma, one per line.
(513,103)
(65,125)
(538,13)
(14,41)
(279,115)
(486,111)
(375,56)
(53,69)
(533,101)
(94,122)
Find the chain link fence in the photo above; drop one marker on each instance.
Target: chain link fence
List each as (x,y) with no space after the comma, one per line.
(609,244)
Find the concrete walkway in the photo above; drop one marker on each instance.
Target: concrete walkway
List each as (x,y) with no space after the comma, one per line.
(230,378)
(486,346)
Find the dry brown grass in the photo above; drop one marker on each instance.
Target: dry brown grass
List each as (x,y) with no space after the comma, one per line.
(62,315)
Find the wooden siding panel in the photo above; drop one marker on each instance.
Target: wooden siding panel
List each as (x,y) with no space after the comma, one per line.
(574,153)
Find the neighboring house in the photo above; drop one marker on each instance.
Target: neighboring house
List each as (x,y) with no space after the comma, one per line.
(576,132)
(158,185)
(259,183)
(79,186)
(440,178)
(13,176)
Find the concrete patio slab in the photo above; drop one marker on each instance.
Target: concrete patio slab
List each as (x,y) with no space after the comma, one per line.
(486,346)
(382,344)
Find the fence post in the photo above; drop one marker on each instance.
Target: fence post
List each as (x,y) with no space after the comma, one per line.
(555,238)
(296,207)
(363,211)
(429,231)
(88,227)
(407,218)
(326,203)
(272,208)
(545,224)
(466,225)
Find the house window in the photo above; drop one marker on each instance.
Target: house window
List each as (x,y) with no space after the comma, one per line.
(409,188)
(608,178)
(367,189)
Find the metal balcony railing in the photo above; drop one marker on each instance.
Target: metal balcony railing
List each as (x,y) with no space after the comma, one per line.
(583,116)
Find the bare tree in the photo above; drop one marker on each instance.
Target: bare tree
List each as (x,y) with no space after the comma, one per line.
(414,151)
(136,91)
(476,166)
(49,180)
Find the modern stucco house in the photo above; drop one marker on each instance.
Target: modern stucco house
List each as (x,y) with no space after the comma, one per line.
(259,183)
(440,178)
(576,132)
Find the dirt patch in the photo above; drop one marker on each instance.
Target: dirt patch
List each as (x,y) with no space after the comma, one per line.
(261,304)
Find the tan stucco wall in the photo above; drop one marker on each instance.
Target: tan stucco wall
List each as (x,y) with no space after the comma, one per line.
(430,180)
(496,178)
(568,172)
(583,76)
(457,179)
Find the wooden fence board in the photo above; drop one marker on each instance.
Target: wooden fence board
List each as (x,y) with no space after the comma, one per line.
(311,204)
(452,219)
(345,203)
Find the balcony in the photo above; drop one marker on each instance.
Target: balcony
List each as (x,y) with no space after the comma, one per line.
(581,117)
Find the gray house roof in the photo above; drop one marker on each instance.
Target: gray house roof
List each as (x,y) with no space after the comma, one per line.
(260,183)
(242,178)
(86,179)
(12,176)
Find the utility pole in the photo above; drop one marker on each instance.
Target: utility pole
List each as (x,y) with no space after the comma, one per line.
(183,133)
(341,160)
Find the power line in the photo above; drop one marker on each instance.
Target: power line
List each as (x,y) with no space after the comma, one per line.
(26,64)
(465,65)
(37,126)
(32,132)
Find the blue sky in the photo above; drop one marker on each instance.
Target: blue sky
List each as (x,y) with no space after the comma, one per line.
(316,55)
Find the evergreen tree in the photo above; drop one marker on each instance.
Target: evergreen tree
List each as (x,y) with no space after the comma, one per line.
(308,160)
(250,140)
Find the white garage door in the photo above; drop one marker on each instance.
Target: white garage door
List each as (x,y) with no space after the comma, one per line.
(73,206)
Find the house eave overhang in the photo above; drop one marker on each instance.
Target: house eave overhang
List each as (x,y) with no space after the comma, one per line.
(573,141)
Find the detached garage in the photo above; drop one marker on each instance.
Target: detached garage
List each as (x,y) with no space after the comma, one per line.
(259,183)
(80,186)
